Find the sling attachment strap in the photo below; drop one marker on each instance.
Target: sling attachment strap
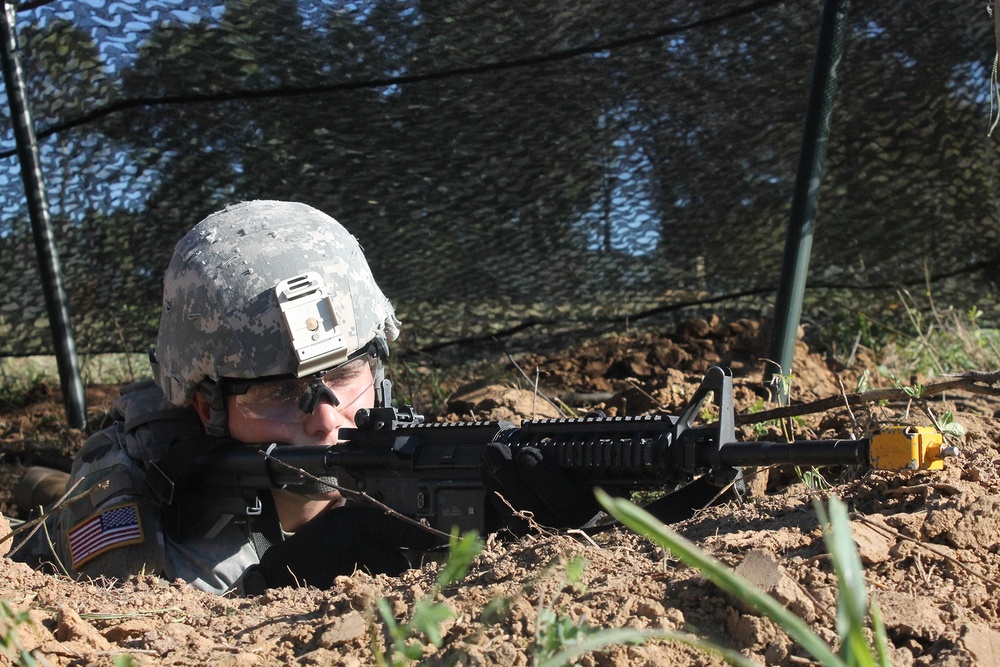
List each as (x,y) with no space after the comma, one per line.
(171,470)
(265,529)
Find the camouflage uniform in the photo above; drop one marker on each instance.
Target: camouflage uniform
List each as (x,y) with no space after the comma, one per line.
(229,311)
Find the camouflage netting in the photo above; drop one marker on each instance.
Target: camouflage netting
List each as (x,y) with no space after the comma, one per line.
(532,166)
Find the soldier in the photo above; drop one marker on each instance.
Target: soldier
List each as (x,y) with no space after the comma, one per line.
(273,330)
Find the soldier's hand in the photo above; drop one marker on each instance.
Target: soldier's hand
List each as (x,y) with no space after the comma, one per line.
(337,542)
(529,482)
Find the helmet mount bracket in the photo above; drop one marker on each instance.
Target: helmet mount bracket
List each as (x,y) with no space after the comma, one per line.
(311,322)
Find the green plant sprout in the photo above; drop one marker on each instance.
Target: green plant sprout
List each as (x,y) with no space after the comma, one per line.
(781,383)
(948,426)
(554,631)
(560,641)
(853,608)
(812,478)
(10,641)
(864,383)
(428,614)
(761,429)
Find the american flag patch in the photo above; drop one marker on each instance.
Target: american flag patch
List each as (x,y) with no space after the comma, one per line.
(112,528)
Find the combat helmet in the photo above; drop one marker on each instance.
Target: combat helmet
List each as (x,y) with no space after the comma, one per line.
(266,289)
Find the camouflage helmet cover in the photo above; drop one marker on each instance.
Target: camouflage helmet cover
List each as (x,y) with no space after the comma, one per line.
(229,285)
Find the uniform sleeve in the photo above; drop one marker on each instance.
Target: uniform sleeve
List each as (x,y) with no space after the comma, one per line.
(111,527)
(216,564)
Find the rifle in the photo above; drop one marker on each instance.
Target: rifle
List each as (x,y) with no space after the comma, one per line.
(432,471)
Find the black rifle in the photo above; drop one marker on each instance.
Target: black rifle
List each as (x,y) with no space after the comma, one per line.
(432,471)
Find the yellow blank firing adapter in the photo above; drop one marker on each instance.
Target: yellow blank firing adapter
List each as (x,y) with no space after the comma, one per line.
(909,448)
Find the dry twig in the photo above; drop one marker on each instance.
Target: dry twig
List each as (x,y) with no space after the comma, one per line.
(538,392)
(974,382)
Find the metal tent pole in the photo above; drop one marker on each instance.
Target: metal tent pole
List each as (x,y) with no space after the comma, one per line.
(798,242)
(41,225)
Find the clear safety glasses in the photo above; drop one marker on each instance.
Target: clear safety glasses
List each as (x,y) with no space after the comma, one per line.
(292,400)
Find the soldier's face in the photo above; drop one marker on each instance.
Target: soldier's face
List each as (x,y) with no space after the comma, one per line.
(354,390)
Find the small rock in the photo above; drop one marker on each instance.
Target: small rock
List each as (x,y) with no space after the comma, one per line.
(347,627)
(71,628)
(497,402)
(911,616)
(762,569)
(650,609)
(982,642)
(978,526)
(873,547)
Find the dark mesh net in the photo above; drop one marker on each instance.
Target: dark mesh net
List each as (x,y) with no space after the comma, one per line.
(508,166)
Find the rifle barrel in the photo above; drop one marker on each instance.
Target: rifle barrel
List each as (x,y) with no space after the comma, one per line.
(799,452)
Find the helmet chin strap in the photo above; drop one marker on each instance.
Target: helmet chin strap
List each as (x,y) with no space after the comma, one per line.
(218,421)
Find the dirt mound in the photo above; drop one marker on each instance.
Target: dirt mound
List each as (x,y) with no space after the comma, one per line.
(930,542)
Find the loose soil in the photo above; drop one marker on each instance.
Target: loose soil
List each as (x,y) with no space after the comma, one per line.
(929,541)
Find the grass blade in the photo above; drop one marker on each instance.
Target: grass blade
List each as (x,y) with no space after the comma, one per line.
(852,599)
(607,637)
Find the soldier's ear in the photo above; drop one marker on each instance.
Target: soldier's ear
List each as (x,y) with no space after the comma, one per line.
(202,407)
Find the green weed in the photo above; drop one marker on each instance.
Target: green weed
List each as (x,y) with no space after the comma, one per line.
(17,379)
(119,368)
(864,383)
(560,641)
(420,386)
(948,426)
(909,336)
(424,624)
(780,392)
(19,376)
(812,478)
(555,631)
(10,641)
(762,429)
(781,383)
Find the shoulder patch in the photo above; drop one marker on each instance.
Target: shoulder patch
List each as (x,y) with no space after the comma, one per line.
(99,533)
